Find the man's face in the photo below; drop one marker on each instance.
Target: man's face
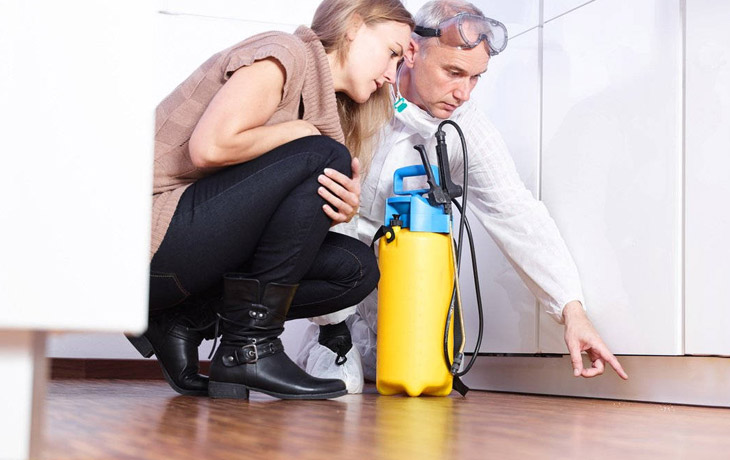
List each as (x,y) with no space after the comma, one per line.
(443,77)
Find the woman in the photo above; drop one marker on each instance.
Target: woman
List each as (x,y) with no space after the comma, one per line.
(250,172)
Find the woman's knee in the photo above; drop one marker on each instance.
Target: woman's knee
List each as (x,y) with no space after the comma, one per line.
(330,153)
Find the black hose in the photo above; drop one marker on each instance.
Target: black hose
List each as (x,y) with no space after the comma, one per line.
(476,288)
(463,224)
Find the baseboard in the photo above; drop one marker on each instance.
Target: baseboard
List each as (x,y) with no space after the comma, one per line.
(127,369)
(693,380)
(690,380)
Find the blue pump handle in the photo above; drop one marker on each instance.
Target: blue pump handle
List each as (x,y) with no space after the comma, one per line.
(412,171)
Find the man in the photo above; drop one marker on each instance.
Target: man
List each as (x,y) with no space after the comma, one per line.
(449,51)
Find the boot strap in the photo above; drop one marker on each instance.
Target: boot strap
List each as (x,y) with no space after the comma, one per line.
(252,352)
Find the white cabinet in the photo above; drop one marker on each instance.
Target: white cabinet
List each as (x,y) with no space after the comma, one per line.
(634,155)
(612,167)
(633,169)
(77,124)
(76,113)
(707,183)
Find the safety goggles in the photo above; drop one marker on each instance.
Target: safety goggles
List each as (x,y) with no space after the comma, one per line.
(465,31)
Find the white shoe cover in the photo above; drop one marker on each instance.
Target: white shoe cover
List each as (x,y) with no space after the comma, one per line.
(319,361)
(365,340)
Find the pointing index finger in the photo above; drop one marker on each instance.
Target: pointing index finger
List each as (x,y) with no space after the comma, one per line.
(611,359)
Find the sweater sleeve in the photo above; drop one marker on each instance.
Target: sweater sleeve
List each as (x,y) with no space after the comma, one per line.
(287,49)
(519,224)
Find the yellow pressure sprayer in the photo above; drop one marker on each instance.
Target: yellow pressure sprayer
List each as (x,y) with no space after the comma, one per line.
(421,340)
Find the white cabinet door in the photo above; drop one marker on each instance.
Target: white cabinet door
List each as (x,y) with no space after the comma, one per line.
(612,167)
(76,112)
(707,225)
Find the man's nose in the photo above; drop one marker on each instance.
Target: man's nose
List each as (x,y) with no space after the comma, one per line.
(463,91)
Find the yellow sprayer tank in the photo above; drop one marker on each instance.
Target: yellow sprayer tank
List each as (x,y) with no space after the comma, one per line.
(414,293)
(416,281)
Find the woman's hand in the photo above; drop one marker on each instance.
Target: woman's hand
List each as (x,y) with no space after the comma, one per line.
(341,192)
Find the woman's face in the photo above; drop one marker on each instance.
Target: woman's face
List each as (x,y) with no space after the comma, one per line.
(372,58)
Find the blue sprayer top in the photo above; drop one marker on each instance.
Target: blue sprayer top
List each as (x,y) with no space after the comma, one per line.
(414,211)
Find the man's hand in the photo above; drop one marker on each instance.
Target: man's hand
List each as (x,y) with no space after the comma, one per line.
(341,192)
(580,335)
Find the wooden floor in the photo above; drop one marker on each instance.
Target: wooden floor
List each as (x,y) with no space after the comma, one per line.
(116,419)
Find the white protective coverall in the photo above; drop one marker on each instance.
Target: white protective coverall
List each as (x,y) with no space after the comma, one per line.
(519,224)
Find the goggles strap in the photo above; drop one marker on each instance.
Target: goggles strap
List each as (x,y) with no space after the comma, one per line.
(427,31)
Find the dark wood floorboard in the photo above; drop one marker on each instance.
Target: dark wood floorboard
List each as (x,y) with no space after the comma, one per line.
(136,419)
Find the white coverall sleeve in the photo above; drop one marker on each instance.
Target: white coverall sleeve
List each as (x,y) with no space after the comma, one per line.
(519,224)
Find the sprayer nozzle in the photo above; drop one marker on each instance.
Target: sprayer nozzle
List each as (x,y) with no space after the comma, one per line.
(457,363)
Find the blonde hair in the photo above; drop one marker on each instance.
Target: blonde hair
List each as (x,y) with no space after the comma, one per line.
(360,122)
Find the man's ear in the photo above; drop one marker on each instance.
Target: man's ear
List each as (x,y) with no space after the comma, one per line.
(409,55)
(356,22)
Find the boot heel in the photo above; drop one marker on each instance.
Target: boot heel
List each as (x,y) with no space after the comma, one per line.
(142,344)
(227,390)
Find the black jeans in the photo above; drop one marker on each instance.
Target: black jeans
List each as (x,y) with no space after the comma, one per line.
(264,218)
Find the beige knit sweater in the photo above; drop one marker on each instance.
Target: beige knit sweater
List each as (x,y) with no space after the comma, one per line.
(308,80)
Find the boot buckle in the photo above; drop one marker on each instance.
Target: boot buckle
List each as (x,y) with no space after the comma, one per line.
(249,354)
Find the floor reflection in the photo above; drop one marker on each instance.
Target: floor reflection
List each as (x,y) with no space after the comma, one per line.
(420,427)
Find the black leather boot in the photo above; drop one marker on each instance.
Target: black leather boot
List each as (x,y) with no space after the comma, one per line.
(174,336)
(251,355)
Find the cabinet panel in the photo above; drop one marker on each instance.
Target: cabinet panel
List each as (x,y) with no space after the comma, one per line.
(77,118)
(707,223)
(611,171)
